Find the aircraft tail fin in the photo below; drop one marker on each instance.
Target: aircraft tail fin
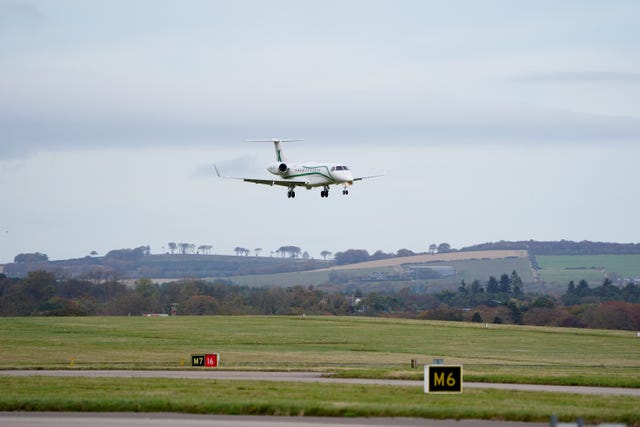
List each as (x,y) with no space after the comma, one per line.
(276,145)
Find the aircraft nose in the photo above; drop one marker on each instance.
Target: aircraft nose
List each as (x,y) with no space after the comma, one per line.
(346,176)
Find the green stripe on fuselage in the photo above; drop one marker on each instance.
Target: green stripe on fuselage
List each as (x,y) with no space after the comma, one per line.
(326,175)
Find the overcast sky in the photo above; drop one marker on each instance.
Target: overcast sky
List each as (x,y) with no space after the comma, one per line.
(493,120)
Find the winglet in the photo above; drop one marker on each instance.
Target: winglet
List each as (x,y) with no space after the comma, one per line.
(223,176)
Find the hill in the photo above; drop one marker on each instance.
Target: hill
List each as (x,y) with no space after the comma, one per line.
(422,273)
(562,247)
(164,266)
(427,258)
(541,263)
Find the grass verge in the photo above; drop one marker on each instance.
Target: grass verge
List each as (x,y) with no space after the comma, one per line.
(566,376)
(296,399)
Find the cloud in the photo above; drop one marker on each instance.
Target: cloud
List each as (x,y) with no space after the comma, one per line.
(17,16)
(581,77)
(202,78)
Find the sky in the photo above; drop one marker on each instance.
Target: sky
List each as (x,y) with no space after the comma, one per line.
(492,120)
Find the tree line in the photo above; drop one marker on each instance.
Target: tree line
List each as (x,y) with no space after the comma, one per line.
(497,300)
(562,247)
(353,256)
(603,307)
(41,294)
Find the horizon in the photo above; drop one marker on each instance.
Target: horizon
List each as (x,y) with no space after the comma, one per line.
(274,253)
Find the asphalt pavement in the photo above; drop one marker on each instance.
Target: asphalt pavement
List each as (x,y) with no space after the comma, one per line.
(55,419)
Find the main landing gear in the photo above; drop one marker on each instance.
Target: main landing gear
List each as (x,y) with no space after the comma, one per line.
(324,193)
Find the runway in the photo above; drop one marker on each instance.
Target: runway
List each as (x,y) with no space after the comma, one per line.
(55,419)
(309,377)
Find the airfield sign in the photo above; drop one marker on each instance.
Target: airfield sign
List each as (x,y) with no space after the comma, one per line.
(207,360)
(443,379)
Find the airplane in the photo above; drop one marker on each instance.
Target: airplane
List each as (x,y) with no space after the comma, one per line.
(307,175)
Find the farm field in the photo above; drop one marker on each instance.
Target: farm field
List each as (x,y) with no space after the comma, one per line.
(440,257)
(467,265)
(592,268)
(344,346)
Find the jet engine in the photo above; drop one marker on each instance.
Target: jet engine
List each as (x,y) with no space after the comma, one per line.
(279,169)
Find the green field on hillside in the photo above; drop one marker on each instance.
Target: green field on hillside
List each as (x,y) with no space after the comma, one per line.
(592,268)
(467,270)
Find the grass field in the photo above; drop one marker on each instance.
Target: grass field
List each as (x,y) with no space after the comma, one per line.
(466,269)
(361,346)
(367,347)
(592,268)
(296,399)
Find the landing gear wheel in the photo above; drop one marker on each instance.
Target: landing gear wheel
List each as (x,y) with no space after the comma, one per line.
(291,194)
(345,192)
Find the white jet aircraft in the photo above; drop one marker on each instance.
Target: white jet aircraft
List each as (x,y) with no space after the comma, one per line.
(307,175)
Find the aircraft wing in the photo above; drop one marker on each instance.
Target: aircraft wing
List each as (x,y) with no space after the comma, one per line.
(282,182)
(368,177)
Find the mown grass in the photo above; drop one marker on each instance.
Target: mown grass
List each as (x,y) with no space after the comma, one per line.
(348,345)
(296,399)
(564,376)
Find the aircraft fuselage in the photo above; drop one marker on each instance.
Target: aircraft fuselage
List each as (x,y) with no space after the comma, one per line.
(313,174)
